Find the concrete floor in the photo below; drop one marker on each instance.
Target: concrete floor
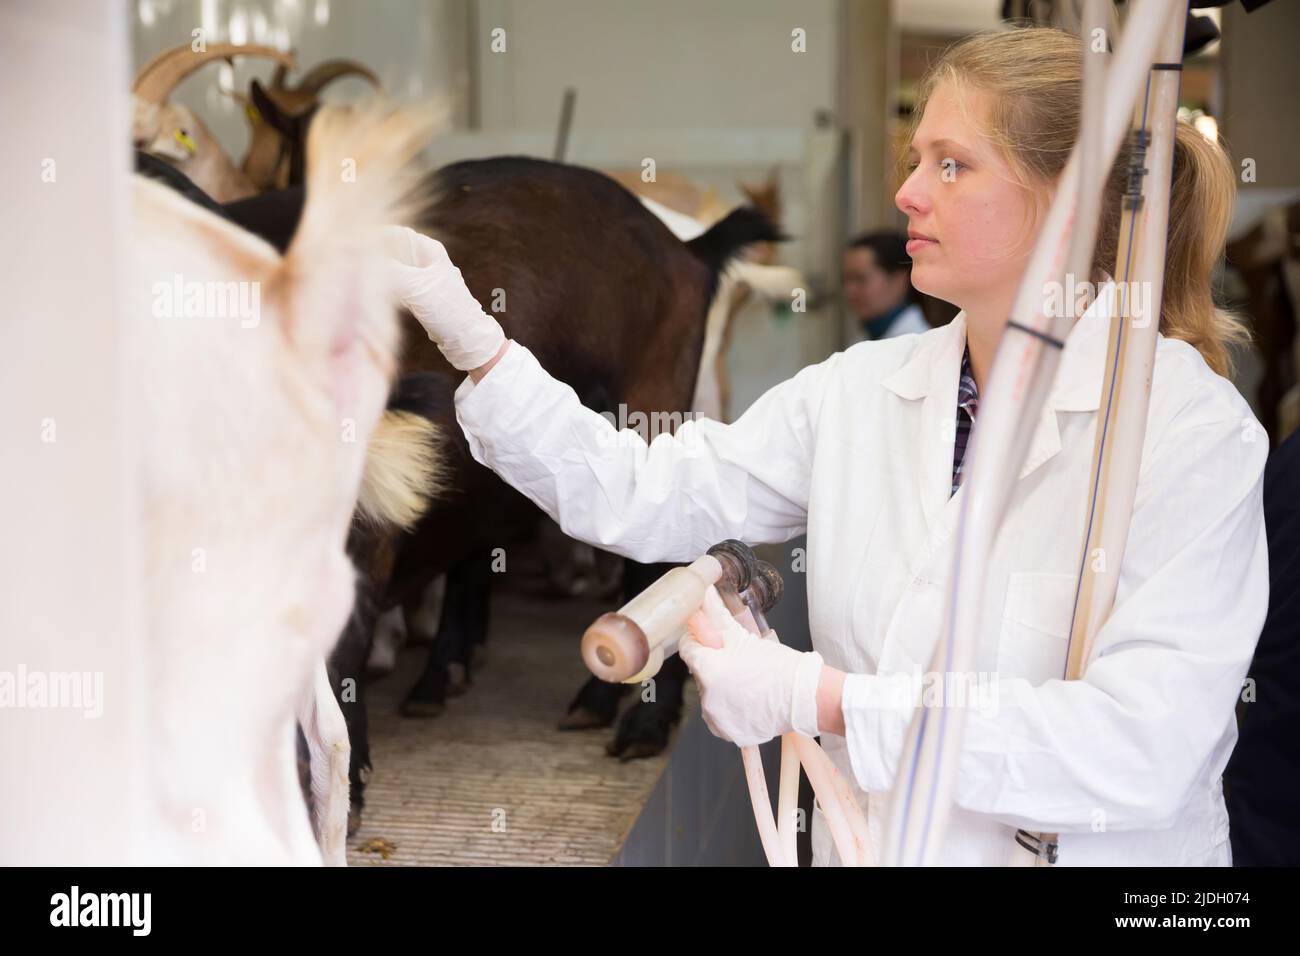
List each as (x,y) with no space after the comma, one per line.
(491,781)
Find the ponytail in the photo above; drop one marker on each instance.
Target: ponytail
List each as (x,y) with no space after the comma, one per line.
(1202,190)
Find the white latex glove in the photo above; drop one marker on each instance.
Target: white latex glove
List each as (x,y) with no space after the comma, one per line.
(432,289)
(752,689)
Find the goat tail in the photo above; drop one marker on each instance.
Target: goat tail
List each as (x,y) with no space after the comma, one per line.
(404,470)
(363,169)
(771,282)
(363,172)
(728,237)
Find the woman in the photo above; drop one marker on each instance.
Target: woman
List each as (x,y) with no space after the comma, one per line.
(864,451)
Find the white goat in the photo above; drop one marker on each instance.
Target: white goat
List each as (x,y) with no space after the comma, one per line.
(254,436)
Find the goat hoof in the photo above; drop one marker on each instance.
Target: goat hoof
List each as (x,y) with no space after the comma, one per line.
(422,708)
(595,705)
(583,718)
(418,637)
(354,820)
(637,750)
(382,661)
(375,671)
(457,680)
(643,732)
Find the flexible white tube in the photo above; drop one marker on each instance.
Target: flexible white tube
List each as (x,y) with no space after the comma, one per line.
(787,803)
(1092,163)
(845,819)
(1018,384)
(847,825)
(821,774)
(773,847)
(755,779)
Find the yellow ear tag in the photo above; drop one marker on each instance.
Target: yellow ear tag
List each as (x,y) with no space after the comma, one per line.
(251,112)
(186,141)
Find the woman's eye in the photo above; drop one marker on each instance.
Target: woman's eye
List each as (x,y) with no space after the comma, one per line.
(944,164)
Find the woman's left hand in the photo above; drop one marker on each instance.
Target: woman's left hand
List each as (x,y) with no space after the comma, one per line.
(751,689)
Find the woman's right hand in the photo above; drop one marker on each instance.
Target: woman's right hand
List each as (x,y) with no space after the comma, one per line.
(431,288)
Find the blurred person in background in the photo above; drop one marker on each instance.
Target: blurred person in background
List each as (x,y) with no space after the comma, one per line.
(878,286)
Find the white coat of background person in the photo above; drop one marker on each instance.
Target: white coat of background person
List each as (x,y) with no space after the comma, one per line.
(857,450)
(878,286)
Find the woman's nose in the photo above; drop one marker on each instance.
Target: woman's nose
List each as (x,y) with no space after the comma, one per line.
(911,197)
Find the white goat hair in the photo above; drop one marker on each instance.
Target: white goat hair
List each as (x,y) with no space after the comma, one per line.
(404,470)
(253,439)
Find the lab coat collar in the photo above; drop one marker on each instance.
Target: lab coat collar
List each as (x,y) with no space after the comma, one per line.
(937,360)
(931,375)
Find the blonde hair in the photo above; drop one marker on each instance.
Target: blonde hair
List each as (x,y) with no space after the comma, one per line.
(1033,77)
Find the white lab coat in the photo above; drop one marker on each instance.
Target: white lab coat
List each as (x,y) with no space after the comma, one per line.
(1125,765)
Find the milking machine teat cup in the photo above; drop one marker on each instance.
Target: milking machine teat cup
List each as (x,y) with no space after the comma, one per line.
(630,645)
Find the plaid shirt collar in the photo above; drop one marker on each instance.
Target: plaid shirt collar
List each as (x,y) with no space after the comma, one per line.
(968,399)
(968,394)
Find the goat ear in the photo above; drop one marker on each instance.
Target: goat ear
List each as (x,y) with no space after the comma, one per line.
(765,197)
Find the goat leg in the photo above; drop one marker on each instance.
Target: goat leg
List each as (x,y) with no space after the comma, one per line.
(326,733)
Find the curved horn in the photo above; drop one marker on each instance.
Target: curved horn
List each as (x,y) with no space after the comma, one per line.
(279,76)
(322,74)
(160,75)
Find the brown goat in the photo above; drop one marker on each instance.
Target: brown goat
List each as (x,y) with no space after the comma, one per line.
(595,286)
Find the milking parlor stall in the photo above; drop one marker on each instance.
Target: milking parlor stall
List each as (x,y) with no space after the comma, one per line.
(583,433)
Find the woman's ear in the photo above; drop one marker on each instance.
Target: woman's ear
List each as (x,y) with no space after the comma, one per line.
(1040,202)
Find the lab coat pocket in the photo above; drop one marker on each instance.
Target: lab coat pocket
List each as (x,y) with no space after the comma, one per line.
(1035,627)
